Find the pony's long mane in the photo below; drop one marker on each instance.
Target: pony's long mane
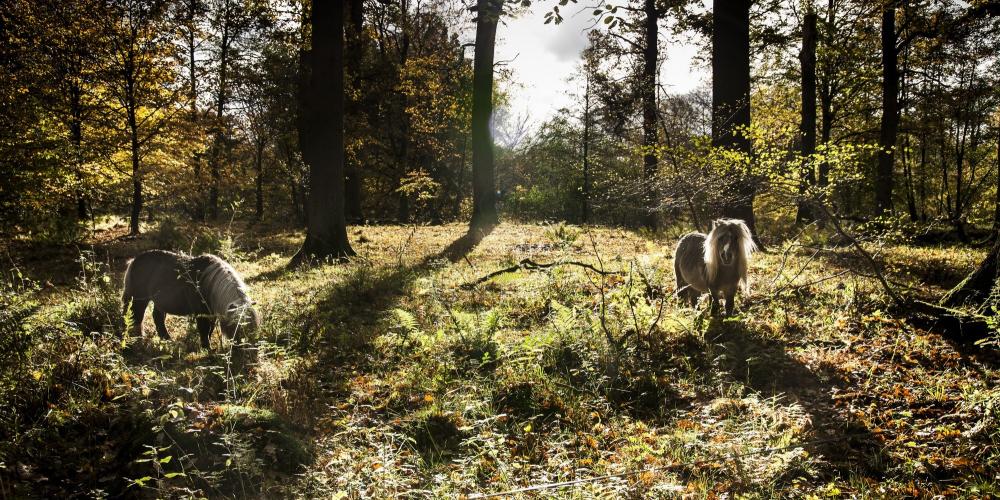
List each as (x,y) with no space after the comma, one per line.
(222,285)
(745,246)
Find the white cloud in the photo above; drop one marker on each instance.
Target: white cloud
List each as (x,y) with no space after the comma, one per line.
(543,57)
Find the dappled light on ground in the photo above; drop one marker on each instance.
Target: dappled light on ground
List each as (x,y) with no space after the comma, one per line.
(385,376)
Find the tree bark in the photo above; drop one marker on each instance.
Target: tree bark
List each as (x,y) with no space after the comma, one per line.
(650,53)
(978,285)
(193,7)
(890,112)
(996,201)
(219,147)
(484,207)
(355,52)
(585,194)
(807,126)
(259,179)
(76,138)
(136,171)
(326,233)
(731,101)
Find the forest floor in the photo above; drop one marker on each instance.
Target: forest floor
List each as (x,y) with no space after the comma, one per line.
(385,376)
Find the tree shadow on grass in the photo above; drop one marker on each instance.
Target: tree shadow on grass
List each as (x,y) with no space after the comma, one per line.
(764,366)
(346,317)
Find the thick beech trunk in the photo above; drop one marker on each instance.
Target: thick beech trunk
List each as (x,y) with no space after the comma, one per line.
(355,51)
(326,232)
(890,113)
(807,126)
(731,101)
(484,202)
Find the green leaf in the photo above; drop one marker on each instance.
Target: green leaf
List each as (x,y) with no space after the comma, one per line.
(171,475)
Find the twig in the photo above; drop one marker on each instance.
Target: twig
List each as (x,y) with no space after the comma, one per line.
(864,253)
(529,265)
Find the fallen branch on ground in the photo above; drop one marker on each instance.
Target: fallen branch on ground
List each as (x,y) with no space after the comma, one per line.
(530,265)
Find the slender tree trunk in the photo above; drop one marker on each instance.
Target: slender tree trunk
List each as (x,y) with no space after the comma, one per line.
(76,138)
(650,55)
(731,101)
(220,136)
(484,207)
(136,172)
(825,132)
(807,126)
(826,95)
(403,160)
(959,181)
(890,112)
(586,152)
(192,67)
(259,179)
(996,200)
(911,199)
(326,233)
(355,52)
(923,176)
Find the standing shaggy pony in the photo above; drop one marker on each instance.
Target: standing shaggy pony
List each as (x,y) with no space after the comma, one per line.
(715,263)
(204,286)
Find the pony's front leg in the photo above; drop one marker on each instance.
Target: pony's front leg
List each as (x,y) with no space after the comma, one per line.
(134,310)
(713,297)
(205,326)
(730,302)
(159,319)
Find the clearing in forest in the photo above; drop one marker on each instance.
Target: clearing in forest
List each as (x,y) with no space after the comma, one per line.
(385,376)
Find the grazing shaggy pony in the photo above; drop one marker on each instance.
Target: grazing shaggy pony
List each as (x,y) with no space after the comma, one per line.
(715,263)
(204,286)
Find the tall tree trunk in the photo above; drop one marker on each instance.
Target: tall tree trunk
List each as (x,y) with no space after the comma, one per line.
(807,126)
(825,133)
(911,199)
(259,179)
(403,159)
(890,112)
(650,54)
(826,95)
(76,138)
(355,52)
(996,200)
(326,233)
(960,141)
(731,101)
(219,147)
(133,127)
(585,215)
(192,67)
(484,203)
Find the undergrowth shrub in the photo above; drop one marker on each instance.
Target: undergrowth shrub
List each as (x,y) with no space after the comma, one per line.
(17,304)
(195,240)
(94,304)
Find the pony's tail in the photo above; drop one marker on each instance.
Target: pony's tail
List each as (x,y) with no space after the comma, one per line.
(747,248)
(127,280)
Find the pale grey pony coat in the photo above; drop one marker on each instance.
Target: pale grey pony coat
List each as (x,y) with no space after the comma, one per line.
(715,263)
(204,286)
